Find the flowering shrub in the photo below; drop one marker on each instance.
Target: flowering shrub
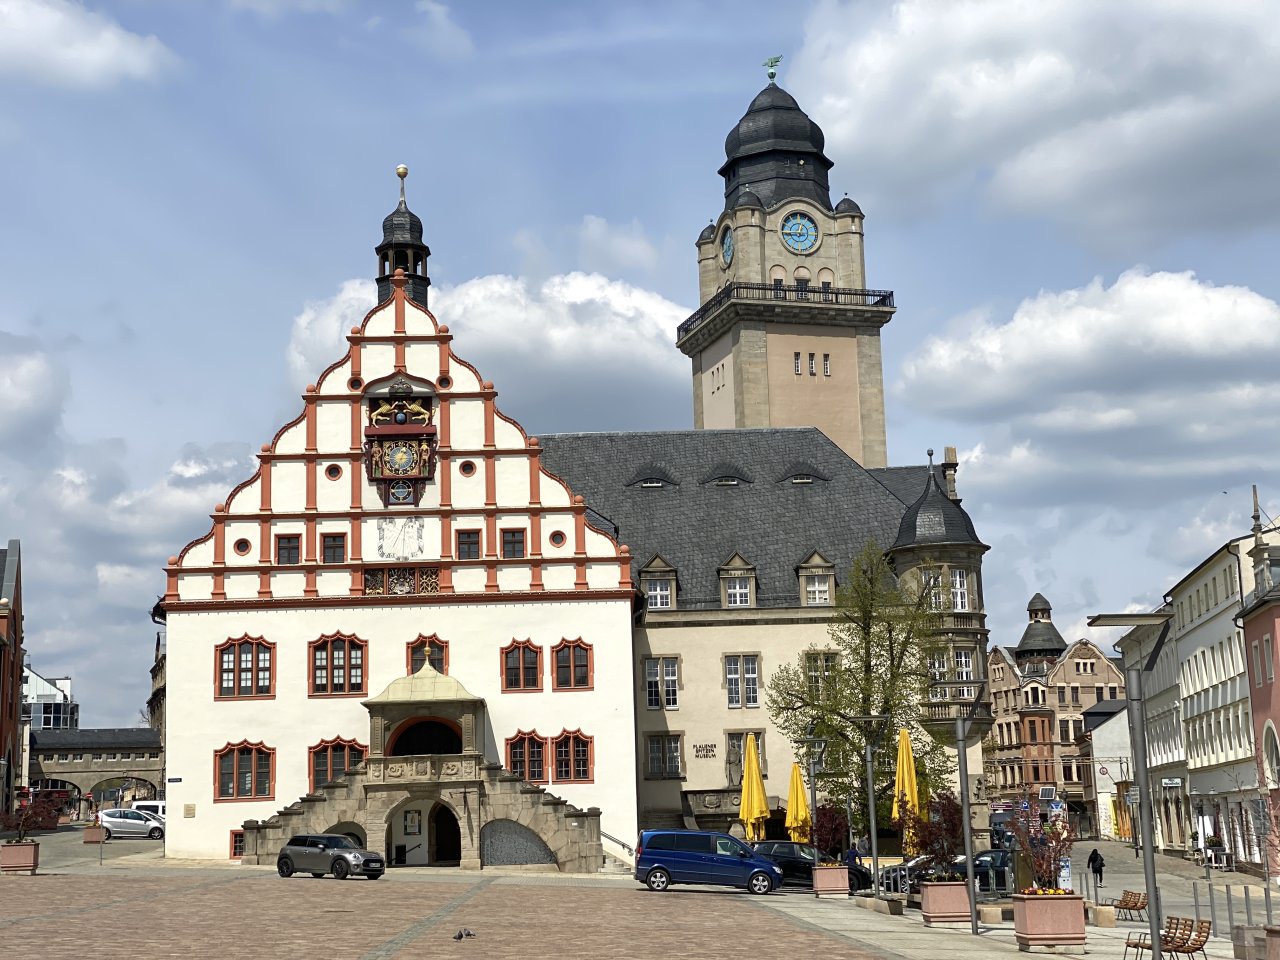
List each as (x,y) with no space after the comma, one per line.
(1047,892)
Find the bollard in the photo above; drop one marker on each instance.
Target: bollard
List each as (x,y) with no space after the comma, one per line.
(1248,907)
(1158,907)
(1195,897)
(1266,898)
(1231,920)
(1213,914)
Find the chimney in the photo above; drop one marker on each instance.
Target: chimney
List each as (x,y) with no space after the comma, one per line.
(949,464)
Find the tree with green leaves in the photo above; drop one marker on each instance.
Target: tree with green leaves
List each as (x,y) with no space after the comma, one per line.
(876,661)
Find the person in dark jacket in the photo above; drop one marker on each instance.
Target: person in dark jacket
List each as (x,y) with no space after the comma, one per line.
(1096,863)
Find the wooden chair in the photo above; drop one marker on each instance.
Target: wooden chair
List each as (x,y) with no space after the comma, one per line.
(1177,930)
(1194,943)
(1132,905)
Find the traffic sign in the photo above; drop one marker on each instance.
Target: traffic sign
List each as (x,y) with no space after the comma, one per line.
(1131,796)
(1102,771)
(1057,806)
(1025,805)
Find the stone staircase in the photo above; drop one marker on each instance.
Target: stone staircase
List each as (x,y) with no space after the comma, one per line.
(571,835)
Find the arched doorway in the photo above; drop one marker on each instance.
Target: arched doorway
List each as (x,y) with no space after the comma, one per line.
(424,737)
(446,837)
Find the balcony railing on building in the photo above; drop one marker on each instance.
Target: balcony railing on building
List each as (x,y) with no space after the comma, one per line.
(792,293)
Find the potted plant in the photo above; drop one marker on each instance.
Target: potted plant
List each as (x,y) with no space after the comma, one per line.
(19,853)
(1213,842)
(937,833)
(95,832)
(1047,914)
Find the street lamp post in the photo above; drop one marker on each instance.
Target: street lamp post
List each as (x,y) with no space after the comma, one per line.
(1138,737)
(815,747)
(871,742)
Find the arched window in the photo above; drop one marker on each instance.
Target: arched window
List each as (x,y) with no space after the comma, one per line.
(574,757)
(245,668)
(244,771)
(526,756)
(337,665)
(331,759)
(1271,757)
(428,648)
(521,666)
(574,665)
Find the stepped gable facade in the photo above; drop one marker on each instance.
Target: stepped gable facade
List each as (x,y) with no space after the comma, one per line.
(401,523)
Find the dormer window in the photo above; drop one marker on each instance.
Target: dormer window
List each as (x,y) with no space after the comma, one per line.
(658,582)
(802,478)
(653,484)
(737,583)
(726,481)
(817,581)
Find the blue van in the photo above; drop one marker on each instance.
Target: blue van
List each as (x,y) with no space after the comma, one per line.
(664,857)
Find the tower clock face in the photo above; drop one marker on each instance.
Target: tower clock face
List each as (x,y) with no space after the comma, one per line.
(799,232)
(401,458)
(726,246)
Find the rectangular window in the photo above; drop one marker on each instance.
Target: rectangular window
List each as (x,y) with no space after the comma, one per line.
(937,676)
(737,591)
(288,548)
(1268,659)
(335,547)
(959,589)
(817,590)
(1032,733)
(1068,771)
(522,668)
(1097,693)
(658,593)
(573,666)
(778,292)
(813,365)
(802,289)
(797,364)
(741,681)
(737,747)
(468,544)
(662,683)
(1113,693)
(1064,731)
(826,291)
(664,755)
(821,667)
(826,364)
(964,672)
(1075,694)
(512,544)
(237,844)
(1062,694)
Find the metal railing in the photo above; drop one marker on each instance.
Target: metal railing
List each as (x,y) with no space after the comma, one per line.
(794,293)
(625,846)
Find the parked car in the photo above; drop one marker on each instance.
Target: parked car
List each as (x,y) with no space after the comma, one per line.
(797,860)
(130,823)
(992,870)
(321,853)
(150,806)
(664,857)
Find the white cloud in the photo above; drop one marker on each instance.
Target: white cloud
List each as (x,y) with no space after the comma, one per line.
(276,8)
(319,330)
(33,387)
(1130,118)
(440,34)
(61,43)
(1101,391)
(606,248)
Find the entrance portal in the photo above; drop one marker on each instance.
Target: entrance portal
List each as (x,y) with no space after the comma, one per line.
(426,737)
(446,837)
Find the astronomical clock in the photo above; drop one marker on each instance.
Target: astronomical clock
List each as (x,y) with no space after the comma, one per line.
(400,443)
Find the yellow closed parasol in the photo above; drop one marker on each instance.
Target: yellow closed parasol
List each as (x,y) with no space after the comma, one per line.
(753,810)
(799,819)
(904,784)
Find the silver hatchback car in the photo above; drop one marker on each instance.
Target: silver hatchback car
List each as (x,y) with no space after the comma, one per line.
(131,823)
(321,853)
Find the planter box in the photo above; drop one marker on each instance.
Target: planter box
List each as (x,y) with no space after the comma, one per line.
(946,902)
(831,881)
(1048,921)
(95,834)
(20,857)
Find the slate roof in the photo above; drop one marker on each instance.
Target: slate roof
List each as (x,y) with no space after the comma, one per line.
(762,149)
(1040,639)
(935,518)
(1038,602)
(125,738)
(698,525)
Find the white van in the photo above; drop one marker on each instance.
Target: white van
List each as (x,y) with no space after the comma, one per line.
(150,806)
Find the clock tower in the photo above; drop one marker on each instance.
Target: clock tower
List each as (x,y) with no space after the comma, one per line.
(787,333)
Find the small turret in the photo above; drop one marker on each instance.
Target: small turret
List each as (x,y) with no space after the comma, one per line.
(402,249)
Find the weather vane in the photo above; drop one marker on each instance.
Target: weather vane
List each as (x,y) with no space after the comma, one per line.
(772,64)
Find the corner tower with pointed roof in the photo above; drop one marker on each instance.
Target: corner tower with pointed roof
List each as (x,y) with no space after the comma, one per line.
(787,334)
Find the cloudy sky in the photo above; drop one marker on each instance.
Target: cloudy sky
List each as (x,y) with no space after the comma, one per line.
(1075,201)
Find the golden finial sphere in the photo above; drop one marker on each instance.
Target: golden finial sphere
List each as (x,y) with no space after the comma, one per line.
(402,171)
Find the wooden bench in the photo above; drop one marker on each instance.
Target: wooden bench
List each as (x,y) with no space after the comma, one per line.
(1181,935)
(1130,905)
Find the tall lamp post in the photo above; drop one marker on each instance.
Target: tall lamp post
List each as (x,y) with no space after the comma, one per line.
(4,786)
(815,748)
(1138,737)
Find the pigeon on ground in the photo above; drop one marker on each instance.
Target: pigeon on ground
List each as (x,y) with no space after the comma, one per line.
(459,935)
(468,933)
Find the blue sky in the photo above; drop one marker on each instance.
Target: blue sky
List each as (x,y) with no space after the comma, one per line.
(1074,202)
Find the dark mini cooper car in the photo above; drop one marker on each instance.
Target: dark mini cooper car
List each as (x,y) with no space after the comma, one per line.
(321,853)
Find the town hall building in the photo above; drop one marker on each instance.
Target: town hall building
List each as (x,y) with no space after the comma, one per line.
(417,625)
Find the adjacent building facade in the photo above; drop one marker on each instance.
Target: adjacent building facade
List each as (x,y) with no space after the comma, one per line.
(11,673)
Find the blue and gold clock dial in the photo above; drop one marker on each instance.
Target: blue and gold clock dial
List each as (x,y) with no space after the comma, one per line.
(726,246)
(799,232)
(402,492)
(401,458)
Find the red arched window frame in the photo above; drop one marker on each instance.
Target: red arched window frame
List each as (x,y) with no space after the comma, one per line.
(572,665)
(244,771)
(521,664)
(427,648)
(331,760)
(527,756)
(337,663)
(573,757)
(244,668)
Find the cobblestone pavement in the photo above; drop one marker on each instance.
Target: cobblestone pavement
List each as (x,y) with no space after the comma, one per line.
(141,906)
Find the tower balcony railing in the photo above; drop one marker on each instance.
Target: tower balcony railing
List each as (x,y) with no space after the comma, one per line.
(794,293)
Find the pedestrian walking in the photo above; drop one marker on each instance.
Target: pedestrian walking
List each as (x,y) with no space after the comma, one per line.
(862,849)
(1096,863)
